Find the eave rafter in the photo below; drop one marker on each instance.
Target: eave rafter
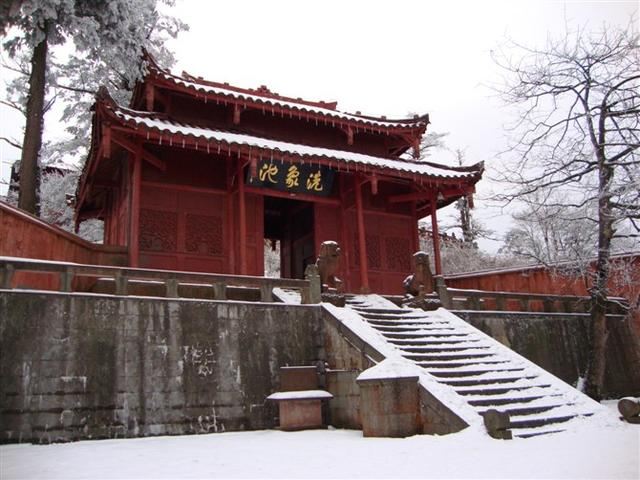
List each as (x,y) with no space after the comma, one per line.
(132,147)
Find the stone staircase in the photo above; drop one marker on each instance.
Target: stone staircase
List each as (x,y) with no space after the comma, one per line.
(488,375)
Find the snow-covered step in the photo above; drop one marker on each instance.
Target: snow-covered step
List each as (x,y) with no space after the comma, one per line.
(539,406)
(392,316)
(474,369)
(499,388)
(537,431)
(541,419)
(464,362)
(447,347)
(491,378)
(476,353)
(406,323)
(512,397)
(486,374)
(383,311)
(425,328)
(440,340)
(432,334)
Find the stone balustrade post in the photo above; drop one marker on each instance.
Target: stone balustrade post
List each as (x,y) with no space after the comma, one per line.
(266,291)
(6,275)
(443,292)
(171,285)
(312,294)
(66,280)
(121,282)
(219,291)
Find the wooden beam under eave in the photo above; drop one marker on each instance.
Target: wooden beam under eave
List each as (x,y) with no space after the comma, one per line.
(293,196)
(146,156)
(410,197)
(426,196)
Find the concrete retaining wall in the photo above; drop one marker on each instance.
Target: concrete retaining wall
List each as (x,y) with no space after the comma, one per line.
(81,366)
(559,344)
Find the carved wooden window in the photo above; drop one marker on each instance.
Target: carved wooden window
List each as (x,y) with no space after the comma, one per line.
(204,234)
(158,230)
(398,253)
(374,257)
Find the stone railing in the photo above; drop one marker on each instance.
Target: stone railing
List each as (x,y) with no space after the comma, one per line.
(72,276)
(463,299)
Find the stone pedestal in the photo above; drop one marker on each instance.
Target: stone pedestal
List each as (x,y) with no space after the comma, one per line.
(300,410)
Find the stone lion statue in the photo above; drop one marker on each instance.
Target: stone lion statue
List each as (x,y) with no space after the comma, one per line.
(328,263)
(421,280)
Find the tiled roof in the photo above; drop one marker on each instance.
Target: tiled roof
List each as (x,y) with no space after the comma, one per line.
(275,101)
(177,132)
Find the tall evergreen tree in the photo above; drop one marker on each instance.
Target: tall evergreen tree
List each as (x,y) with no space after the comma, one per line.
(106,38)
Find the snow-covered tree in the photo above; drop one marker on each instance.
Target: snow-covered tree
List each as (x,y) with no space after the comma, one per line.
(577,136)
(459,256)
(105,40)
(471,228)
(551,233)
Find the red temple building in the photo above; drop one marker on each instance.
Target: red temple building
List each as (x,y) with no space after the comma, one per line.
(195,175)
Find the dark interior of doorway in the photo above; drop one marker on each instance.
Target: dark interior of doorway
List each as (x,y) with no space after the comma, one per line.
(288,224)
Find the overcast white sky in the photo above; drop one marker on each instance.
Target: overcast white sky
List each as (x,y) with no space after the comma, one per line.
(379,57)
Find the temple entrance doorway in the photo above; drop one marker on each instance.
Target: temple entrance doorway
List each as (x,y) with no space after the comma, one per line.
(288,233)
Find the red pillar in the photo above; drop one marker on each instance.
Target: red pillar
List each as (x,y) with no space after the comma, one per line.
(364,267)
(230,247)
(134,212)
(242,214)
(415,241)
(436,236)
(345,238)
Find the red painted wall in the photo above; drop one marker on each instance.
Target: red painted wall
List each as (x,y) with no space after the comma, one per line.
(183,229)
(26,236)
(284,128)
(389,251)
(624,281)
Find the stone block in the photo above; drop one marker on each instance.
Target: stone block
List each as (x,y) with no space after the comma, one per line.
(344,409)
(389,407)
(298,378)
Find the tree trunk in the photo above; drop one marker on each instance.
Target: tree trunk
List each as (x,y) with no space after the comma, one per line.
(465,221)
(599,334)
(27,199)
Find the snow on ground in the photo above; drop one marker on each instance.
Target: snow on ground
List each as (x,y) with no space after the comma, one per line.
(610,452)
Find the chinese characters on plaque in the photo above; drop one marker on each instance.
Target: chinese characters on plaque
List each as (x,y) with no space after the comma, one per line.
(293,178)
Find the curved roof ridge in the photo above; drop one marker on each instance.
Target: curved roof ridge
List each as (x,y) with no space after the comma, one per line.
(264,96)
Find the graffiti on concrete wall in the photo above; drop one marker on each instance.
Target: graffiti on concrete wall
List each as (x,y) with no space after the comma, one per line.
(202,358)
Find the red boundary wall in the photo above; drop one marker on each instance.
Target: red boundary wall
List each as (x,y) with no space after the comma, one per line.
(26,236)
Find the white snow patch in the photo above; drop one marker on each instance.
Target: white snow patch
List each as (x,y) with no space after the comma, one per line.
(300,395)
(592,453)
(391,368)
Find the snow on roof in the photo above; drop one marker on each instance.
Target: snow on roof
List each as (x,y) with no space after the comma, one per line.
(305,151)
(207,87)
